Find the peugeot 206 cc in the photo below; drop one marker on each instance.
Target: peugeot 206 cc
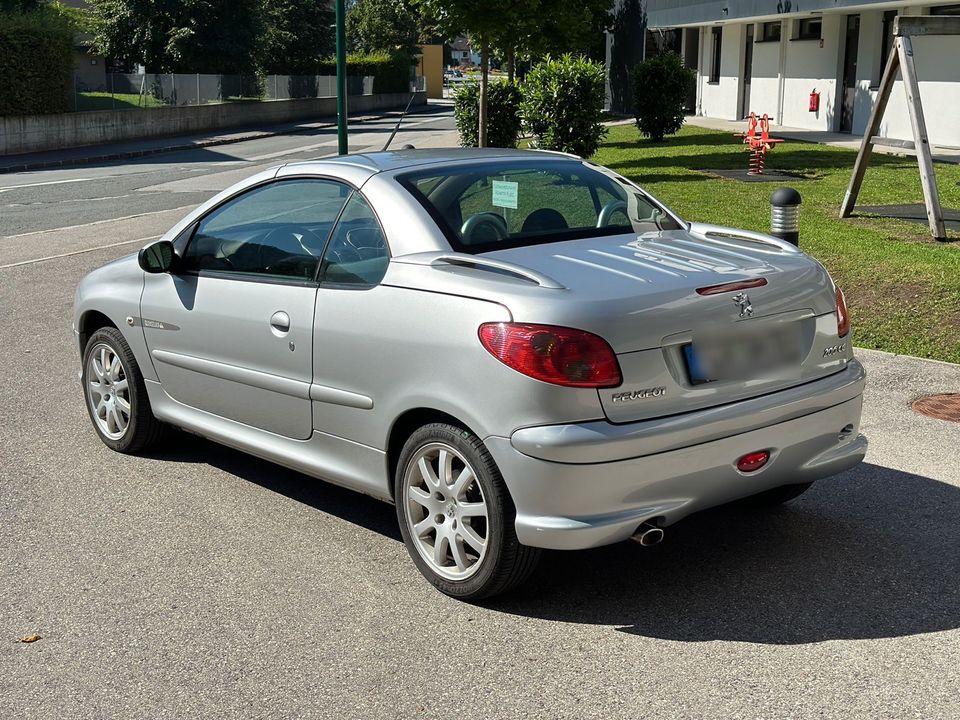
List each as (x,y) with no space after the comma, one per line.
(520,350)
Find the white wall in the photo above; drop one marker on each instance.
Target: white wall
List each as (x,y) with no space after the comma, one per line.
(765,82)
(719,100)
(809,67)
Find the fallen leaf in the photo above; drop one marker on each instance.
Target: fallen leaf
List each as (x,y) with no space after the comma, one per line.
(30,638)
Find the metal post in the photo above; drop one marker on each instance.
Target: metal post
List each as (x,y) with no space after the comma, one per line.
(785,215)
(342,148)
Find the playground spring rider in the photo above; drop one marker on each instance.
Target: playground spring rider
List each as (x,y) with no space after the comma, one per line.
(758,145)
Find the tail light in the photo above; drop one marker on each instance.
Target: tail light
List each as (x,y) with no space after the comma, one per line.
(558,355)
(843,318)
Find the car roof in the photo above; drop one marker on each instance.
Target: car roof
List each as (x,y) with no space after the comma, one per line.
(394,160)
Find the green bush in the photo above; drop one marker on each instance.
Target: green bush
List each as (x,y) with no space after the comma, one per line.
(503,114)
(36,62)
(660,87)
(390,72)
(563,104)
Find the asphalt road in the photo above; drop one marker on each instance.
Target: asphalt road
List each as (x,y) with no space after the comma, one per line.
(200,582)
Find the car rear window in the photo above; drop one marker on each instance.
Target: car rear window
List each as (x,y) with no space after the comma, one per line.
(493,206)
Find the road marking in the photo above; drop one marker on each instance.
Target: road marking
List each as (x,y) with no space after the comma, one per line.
(96,222)
(40,184)
(79,252)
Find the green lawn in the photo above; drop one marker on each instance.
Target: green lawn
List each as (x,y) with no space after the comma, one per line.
(118,101)
(903,288)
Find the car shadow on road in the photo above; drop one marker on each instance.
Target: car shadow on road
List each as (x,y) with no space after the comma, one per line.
(874,553)
(355,508)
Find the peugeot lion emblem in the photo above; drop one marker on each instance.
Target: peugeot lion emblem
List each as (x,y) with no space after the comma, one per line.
(742,301)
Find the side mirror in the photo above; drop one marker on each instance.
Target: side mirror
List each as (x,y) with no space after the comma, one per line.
(158,257)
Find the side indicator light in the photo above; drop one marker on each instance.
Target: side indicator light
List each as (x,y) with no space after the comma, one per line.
(751,462)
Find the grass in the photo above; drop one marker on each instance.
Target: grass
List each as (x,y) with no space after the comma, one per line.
(903,288)
(117,101)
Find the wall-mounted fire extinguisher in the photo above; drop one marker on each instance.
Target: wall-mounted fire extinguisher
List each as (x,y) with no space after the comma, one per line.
(814,101)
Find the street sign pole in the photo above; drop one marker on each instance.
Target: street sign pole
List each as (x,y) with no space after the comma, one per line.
(341,80)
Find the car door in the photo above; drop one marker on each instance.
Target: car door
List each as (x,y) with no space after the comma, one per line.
(230,332)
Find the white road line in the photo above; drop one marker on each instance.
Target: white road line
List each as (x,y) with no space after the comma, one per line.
(40,184)
(96,222)
(78,252)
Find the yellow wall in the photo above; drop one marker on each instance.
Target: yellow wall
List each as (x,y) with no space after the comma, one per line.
(431,65)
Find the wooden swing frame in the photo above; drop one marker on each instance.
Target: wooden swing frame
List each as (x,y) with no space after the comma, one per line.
(901,58)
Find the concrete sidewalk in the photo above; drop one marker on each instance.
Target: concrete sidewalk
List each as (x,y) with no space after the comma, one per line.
(844,140)
(151,146)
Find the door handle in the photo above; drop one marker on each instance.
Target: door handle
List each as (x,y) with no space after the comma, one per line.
(280,323)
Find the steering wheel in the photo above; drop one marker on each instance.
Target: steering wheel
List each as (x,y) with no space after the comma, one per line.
(294,240)
(609,210)
(484,221)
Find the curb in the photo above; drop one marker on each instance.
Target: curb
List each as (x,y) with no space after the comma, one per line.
(210,142)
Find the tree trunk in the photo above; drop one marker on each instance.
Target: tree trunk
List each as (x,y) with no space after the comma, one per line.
(484,82)
(511,64)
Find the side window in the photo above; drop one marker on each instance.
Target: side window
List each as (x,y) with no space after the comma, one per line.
(276,230)
(357,253)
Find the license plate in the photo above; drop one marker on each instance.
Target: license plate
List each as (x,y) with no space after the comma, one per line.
(744,356)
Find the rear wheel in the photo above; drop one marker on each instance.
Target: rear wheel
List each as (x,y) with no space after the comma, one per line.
(456,516)
(778,495)
(115,394)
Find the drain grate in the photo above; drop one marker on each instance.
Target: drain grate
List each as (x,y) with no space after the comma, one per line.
(945,406)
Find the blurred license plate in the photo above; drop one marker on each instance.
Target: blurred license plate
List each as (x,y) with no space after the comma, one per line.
(751,355)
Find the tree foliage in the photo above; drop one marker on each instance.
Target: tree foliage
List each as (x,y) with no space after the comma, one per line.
(208,36)
(629,24)
(36,61)
(503,107)
(563,105)
(660,87)
(298,35)
(384,26)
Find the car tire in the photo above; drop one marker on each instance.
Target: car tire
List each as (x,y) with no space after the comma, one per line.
(778,495)
(115,394)
(449,492)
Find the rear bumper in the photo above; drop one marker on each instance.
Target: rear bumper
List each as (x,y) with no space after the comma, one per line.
(599,493)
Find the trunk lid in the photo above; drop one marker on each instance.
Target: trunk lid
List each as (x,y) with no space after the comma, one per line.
(640,294)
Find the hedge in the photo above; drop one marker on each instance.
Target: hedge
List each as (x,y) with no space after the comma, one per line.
(503,114)
(36,63)
(391,73)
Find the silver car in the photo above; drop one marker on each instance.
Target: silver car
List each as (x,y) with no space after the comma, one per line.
(520,350)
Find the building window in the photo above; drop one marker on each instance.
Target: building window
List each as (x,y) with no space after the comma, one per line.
(716,37)
(809,29)
(886,40)
(770,32)
(945,10)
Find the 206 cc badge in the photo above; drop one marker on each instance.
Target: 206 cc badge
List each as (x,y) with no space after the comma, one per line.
(742,301)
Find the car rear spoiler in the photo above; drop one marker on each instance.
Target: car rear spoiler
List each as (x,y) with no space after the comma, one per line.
(476,262)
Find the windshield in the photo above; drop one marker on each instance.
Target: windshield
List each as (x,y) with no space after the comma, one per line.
(496,205)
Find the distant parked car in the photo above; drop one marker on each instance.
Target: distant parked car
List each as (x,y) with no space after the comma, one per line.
(519,349)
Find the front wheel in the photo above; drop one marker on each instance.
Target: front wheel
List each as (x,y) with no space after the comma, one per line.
(456,516)
(115,394)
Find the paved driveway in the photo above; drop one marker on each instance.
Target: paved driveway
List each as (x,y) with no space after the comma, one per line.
(201,582)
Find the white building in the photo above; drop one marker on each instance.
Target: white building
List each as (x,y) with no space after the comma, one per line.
(768,56)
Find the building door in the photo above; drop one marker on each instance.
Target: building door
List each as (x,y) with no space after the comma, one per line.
(747,72)
(691,59)
(849,87)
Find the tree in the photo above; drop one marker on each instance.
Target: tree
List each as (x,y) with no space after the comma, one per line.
(660,88)
(629,27)
(298,35)
(384,25)
(209,36)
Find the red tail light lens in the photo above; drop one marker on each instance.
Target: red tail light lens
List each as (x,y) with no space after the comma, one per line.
(843,318)
(558,355)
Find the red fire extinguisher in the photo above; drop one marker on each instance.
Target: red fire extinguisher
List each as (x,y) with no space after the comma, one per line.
(814,101)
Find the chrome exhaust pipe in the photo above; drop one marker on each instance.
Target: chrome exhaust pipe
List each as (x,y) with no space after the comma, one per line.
(647,535)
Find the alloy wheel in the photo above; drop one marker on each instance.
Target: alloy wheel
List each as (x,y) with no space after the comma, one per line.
(446,511)
(108,392)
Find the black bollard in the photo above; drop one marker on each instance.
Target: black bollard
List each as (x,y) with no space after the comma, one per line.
(785,215)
